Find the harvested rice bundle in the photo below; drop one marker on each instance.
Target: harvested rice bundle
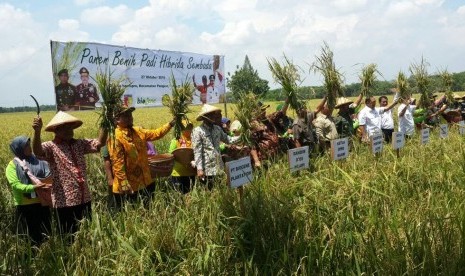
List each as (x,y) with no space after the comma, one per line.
(178,103)
(287,75)
(333,79)
(368,79)
(247,108)
(112,90)
(420,75)
(402,85)
(446,85)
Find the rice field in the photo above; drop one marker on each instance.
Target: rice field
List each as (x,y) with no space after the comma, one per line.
(364,215)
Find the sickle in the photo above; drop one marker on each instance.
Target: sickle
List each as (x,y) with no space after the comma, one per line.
(37,104)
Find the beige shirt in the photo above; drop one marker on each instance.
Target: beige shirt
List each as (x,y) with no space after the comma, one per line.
(325,128)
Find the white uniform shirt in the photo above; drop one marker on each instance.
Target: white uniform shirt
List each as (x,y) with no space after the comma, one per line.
(371,119)
(386,118)
(406,124)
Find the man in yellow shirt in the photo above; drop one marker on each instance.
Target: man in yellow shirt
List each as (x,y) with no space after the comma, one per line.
(129,160)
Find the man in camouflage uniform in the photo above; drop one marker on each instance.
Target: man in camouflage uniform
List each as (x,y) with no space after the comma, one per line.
(86,93)
(65,92)
(344,121)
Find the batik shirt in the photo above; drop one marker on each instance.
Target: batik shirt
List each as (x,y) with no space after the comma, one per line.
(206,143)
(68,165)
(129,158)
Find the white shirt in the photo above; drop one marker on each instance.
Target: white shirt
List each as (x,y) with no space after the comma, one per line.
(386,118)
(371,119)
(406,124)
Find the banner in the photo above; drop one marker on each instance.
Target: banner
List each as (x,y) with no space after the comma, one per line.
(147,74)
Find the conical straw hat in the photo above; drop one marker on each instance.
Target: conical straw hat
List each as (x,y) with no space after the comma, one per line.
(62,118)
(342,101)
(206,108)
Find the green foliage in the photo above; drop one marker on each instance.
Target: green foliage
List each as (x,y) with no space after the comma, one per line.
(246,109)
(245,79)
(403,85)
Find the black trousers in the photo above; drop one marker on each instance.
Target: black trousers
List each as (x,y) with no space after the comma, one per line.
(33,220)
(387,133)
(69,218)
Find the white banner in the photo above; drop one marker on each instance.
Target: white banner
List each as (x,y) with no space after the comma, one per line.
(239,172)
(148,73)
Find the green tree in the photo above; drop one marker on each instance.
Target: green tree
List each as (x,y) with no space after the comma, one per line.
(245,79)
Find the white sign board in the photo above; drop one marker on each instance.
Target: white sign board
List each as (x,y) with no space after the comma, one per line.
(425,136)
(298,158)
(443,131)
(340,148)
(239,172)
(146,72)
(462,127)
(377,143)
(398,140)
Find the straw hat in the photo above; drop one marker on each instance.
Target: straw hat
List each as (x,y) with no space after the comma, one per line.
(121,110)
(62,118)
(342,101)
(457,97)
(206,108)
(236,125)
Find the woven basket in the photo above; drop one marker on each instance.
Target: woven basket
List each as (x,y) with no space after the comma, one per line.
(185,156)
(45,195)
(161,165)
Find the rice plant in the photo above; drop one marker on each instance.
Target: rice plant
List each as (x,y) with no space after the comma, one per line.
(402,85)
(287,75)
(112,90)
(246,109)
(446,85)
(419,73)
(368,78)
(178,103)
(333,79)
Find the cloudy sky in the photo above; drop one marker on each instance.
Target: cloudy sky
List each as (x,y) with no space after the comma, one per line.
(390,33)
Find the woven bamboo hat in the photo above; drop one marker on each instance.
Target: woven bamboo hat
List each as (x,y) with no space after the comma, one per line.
(62,118)
(206,108)
(342,101)
(457,97)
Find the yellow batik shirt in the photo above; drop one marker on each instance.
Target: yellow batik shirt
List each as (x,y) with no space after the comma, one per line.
(129,156)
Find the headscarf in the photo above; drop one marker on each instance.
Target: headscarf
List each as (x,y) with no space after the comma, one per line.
(37,167)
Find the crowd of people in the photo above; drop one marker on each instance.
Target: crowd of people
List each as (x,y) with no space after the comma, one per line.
(213,142)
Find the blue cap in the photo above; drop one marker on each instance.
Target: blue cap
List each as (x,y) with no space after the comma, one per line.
(225,120)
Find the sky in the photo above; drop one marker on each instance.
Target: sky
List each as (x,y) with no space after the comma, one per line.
(390,33)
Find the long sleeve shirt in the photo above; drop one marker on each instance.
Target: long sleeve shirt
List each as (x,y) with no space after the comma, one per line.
(129,157)
(206,144)
(21,191)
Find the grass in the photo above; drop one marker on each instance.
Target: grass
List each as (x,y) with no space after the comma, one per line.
(365,215)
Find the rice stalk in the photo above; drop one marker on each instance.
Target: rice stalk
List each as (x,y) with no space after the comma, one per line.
(419,72)
(333,79)
(446,85)
(247,108)
(287,75)
(402,85)
(178,103)
(368,79)
(112,90)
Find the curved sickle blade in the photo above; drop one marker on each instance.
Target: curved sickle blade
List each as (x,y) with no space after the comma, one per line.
(37,104)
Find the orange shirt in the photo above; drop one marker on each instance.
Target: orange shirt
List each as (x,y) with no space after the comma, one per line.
(129,156)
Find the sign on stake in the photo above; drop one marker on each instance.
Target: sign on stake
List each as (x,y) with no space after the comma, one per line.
(298,159)
(239,172)
(340,148)
(425,136)
(377,143)
(443,131)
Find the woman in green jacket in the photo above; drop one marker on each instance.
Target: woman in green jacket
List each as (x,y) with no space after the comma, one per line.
(32,219)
